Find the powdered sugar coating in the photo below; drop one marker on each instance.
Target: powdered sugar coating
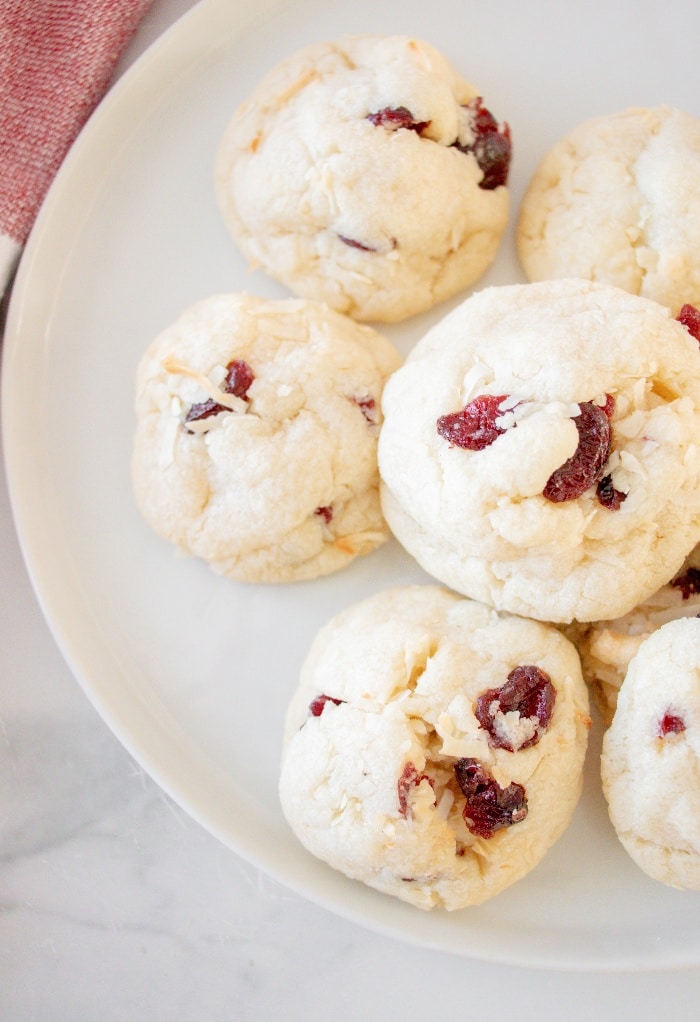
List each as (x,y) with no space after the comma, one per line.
(380,216)
(618,200)
(369,785)
(282,484)
(478,520)
(650,762)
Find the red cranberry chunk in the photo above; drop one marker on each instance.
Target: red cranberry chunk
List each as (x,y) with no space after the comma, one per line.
(493,156)
(352,243)
(474,428)
(395,118)
(689,316)
(491,147)
(368,407)
(608,496)
(318,705)
(688,583)
(239,377)
(489,807)
(670,724)
(528,691)
(326,513)
(204,410)
(409,779)
(586,464)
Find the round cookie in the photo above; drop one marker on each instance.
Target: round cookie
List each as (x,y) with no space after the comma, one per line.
(650,762)
(256,438)
(539,449)
(606,647)
(366,173)
(434,749)
(617,200)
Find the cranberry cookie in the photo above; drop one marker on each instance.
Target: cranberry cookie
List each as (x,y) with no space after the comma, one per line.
(540,449)
(618,200)
(606,647)
(650,763)
(256,437)
(368,174)
(434,749)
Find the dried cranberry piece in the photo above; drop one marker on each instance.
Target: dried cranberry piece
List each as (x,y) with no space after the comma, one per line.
(529,691)
(318,705)
(688,583)
(608,496)
(204,410)
(493,156)
(491,147)
(409,779)
(352,243)
(368,407)
(489,807)
(670,724)
(326,513)
(474,428)
(584,467)
(239,377)
(689,316)
(395,118)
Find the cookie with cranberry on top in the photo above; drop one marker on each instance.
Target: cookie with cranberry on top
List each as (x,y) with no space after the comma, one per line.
(256,439)
(434,748)
(540,450)
(650,762)
(366,173)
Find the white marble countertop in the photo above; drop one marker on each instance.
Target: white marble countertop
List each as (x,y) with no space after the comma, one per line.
(115,905)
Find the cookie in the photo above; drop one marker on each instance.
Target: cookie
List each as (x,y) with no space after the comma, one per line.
(606,647)
(617,200)
(368,174)
(540,453)
(256,438)
(650,763)
(434,749)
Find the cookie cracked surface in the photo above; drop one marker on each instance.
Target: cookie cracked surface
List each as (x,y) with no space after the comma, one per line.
(256,437)
(389,775)
(366,173)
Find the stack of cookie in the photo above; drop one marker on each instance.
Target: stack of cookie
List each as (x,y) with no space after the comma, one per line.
(538,454)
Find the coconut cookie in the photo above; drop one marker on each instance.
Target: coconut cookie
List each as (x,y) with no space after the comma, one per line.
(368,174)
(606,647)
(540,449)
(618,200)
(650,762)
(256,437)
(434,749)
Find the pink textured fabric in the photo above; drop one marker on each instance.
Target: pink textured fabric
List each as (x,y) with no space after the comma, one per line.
(57,58)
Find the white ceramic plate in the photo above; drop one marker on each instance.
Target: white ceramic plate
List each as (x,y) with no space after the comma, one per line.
(192,672)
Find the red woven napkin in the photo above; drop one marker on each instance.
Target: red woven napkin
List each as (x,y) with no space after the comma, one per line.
(57,58)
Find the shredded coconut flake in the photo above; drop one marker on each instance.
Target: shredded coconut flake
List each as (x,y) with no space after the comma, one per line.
(474,382)
(445,804)
(631,425)
(230,401)
(632,464)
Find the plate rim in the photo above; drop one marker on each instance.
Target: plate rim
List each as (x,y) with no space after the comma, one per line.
(169,48)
